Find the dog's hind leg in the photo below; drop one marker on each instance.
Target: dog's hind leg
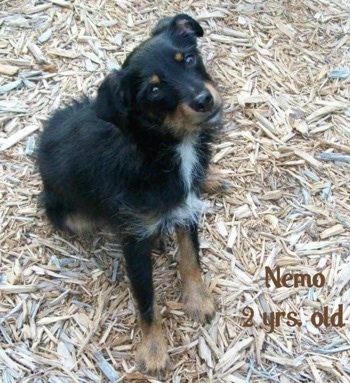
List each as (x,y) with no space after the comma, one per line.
(79,224)
(63,216)
(54,207)
(152,352)
(198,301)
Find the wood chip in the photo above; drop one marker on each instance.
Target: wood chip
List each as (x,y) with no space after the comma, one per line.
(272,195)
(309,159)
(63,53)
(321,112)
(251,99)
(332,231)
(334,157)
(107,369)
(37,53)
(62,3)
(8,70)
(18,289)
(228,359)
(16,137)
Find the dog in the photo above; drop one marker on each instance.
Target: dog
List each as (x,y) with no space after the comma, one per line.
(135,159)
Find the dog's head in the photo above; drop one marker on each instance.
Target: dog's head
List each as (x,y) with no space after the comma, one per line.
(164,81)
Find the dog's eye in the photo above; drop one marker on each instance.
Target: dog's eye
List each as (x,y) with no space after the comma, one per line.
(190,60)
(154,90)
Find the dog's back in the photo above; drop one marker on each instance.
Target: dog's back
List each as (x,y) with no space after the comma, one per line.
(80,157)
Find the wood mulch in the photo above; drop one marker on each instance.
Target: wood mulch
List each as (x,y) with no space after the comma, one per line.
(66,311)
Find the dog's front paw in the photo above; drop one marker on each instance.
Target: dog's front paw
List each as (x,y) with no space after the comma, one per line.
(152,357)
(216,184)
(198,302)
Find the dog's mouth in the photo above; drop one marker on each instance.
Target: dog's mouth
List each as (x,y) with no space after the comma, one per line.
(185,120)
(212,117)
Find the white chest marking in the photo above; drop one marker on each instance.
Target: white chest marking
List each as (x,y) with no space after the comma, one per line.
(184,215)
(189,161)
(190,210)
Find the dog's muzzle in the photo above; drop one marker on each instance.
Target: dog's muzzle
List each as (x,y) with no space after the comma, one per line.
(203,102)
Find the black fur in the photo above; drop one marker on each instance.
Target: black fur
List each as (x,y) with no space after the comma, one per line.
(114,160)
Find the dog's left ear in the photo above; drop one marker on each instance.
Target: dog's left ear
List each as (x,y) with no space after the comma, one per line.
(109,103)
(181,24)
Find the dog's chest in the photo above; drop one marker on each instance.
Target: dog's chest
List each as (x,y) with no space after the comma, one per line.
(188,162)
(190,209)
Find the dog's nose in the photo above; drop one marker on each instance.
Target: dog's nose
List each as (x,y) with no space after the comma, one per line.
(203,102)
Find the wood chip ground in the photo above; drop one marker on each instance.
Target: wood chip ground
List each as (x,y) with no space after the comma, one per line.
(66,311)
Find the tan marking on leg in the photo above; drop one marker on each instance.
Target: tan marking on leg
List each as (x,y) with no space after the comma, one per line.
(198,301)
(212,186)
(79,224)
(214,183)
(152,354)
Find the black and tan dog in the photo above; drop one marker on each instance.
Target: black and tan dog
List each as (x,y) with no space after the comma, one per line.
(135,159)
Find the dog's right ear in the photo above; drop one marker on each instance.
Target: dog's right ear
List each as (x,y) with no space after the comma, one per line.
(109,105)
(180,24)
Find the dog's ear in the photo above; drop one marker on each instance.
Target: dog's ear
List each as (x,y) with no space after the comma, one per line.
(109,103)
(181,24)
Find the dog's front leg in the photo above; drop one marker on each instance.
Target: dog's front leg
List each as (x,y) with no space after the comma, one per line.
(198,301)
(215,183)
(152,351)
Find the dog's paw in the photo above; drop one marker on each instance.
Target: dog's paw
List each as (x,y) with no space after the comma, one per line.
(152,357)
(198,303)
(216,184)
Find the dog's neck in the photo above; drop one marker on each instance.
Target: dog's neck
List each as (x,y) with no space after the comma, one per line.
(165,153)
